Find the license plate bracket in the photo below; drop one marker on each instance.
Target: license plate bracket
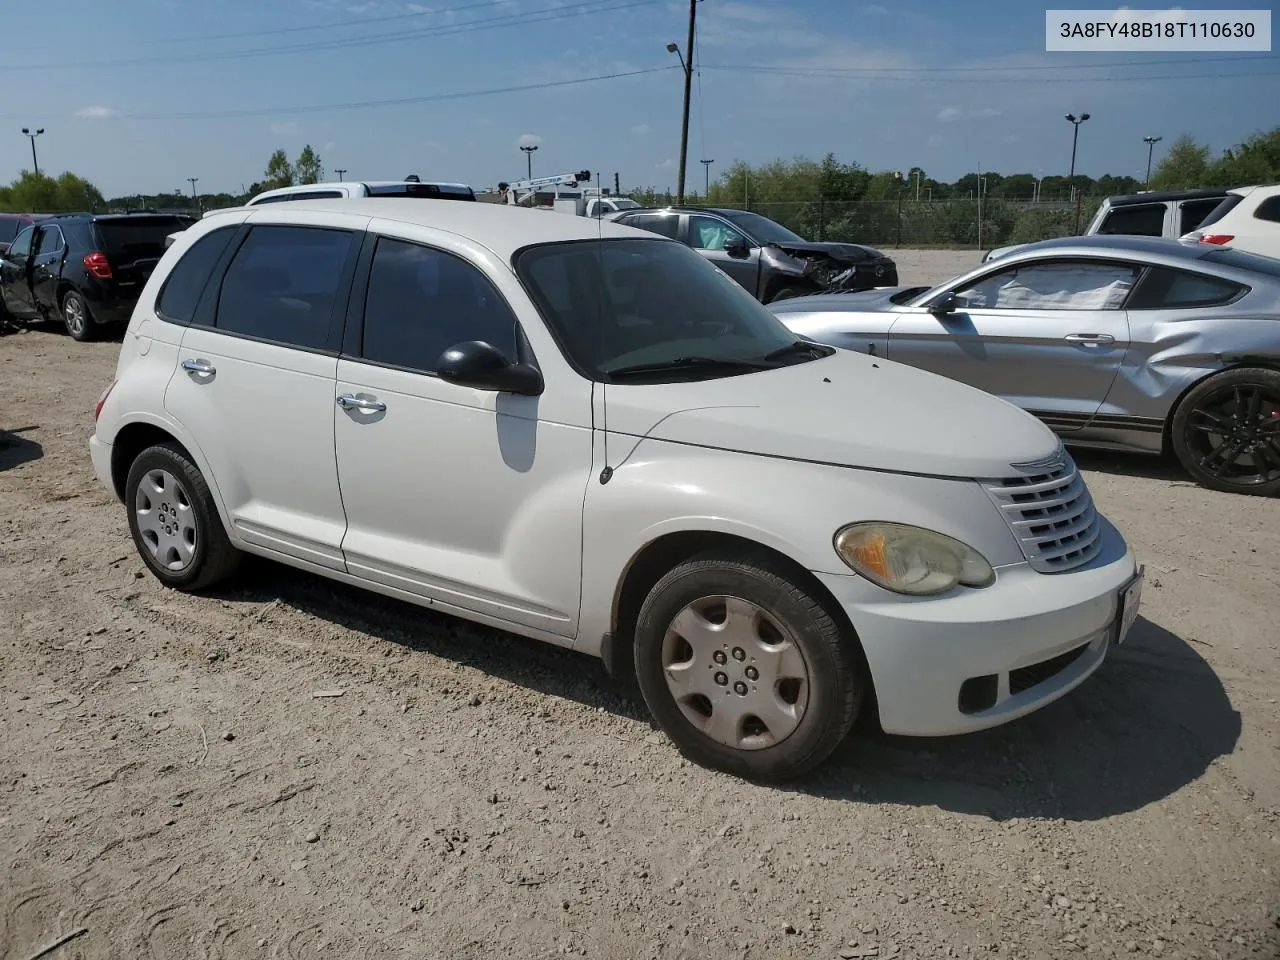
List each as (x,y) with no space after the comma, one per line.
(1128,602)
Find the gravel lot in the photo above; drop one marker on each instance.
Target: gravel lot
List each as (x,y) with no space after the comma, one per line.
(171,785)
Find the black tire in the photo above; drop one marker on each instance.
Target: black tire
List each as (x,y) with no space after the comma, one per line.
(836,681)
(77,317)
(213,558)
(1226,432)
(787,291)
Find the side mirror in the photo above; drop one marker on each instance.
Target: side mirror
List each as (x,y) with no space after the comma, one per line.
(737,248)
(947,303)
(477,364)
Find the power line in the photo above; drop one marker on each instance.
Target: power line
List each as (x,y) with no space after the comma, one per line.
(394,102)
(902,79)
(841,71)
(555,12)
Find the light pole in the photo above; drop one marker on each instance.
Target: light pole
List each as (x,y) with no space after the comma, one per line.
(528,156)
(916,174)
(341,172)
(194,195)
(32,137)
(1151,145)
(1075,136)
(706,178)
(901,184)
(687,63)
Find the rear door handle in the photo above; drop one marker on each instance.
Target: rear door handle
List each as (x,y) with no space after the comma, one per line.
(1090,338)
(349,401)
(199,366)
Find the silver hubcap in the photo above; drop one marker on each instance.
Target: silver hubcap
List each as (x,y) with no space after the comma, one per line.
(166,520)
(735,672)
(74,311)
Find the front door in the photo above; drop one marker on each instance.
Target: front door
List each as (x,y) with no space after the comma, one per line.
(1047,335)
(711,237)
(469,498)
(255,389)
(15,276)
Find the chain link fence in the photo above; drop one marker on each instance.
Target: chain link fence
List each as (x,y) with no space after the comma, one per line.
(930,223)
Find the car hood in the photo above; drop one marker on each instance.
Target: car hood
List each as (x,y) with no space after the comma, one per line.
(847,409)
(845,252)
(859,301)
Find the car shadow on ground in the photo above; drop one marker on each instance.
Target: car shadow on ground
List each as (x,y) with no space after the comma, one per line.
(1163,467)
(1150,721)
(16,450)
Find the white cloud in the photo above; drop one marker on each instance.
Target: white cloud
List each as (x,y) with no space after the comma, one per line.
(641,129)
(529,140)
(286,128)
(936,140)
(874,9)
(95,113)
(951,114)
(328,147)
(666,164)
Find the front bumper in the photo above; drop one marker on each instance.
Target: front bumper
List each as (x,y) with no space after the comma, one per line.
(882,272)
(979,658)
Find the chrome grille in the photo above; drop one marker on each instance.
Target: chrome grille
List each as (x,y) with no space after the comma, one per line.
(1051,515)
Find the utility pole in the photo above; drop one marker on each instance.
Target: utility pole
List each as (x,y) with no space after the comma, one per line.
(979,185)
(687,62)
(1151,145)
(194,195)
(617,186)
(32,137)
(917,175)
(706,178)
(341,172)
(1071,177)
(528,155)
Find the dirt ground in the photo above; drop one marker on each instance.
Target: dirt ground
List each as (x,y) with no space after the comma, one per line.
(171,785)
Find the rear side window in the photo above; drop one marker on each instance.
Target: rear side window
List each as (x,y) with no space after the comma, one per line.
(1193,212)
(422,301)
(282,284)
(1225,206)
(50,240)
(130,239)
(1143,220)
(1268,209)
(181,292)
(1164,289)
(664,225)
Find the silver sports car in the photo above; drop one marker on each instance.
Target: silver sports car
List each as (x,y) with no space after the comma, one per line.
(1124,343)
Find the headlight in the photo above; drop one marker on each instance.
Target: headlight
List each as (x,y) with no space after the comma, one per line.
(911,560)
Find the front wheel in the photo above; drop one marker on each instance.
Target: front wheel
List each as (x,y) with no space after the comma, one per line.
(788,292)
(744,670)
(76,317)
(1226,432)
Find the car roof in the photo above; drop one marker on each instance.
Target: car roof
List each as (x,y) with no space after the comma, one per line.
(1164,196)
(502,228)
(333,184)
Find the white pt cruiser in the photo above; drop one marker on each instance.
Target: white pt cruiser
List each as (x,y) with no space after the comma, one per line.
(588,434)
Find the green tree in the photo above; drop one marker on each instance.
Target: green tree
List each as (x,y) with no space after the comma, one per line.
(77,193)
(1255,161)
(279,172)
(1186,165)
(308,168)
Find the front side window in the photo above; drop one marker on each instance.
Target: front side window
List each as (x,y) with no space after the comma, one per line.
(1052,286)
(422,301)
(708,233)
(1142,220)
(21,246)
(282,283)
(616,305)
(181,292)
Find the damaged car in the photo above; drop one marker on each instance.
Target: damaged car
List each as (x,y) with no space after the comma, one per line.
(1124,343)
(766,258)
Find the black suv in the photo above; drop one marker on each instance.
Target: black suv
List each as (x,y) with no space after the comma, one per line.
(85,268)
(766,258)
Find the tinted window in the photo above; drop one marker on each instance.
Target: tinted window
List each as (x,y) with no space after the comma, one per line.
(1225,206)
(422,301)
(127,239)
(708,233)
(282,283)
(665,225)
(1145,220)
(425,190)
(181,292)
(1193,213)
(308,195)
(1268,209)
(9,229)
(1167,289)
(21,245)
(50,240)
(1053,286)
(617,303)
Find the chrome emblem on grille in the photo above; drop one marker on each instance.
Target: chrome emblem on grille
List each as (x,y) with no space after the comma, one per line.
(1055,461)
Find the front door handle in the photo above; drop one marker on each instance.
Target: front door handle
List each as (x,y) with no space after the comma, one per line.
(1090,338)
(349,401)
(199,366)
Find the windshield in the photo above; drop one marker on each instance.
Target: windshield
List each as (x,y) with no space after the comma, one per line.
(625,205)
(762,229)
(9,229)
(622,303)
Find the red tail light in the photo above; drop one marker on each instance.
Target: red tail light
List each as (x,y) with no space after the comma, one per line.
(1218,239)
(97,410)
(97,265)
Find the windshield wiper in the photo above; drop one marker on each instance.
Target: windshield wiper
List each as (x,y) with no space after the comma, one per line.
(797,347)
(682,364)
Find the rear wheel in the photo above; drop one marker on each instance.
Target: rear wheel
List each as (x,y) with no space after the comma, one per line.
(744,670)
(1226,432)
(77,318)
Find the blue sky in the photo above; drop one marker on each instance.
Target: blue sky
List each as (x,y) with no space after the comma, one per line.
(126,98)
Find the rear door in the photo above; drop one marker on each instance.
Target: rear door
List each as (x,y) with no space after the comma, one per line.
(46,269)
(1048,335)
(133,245)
